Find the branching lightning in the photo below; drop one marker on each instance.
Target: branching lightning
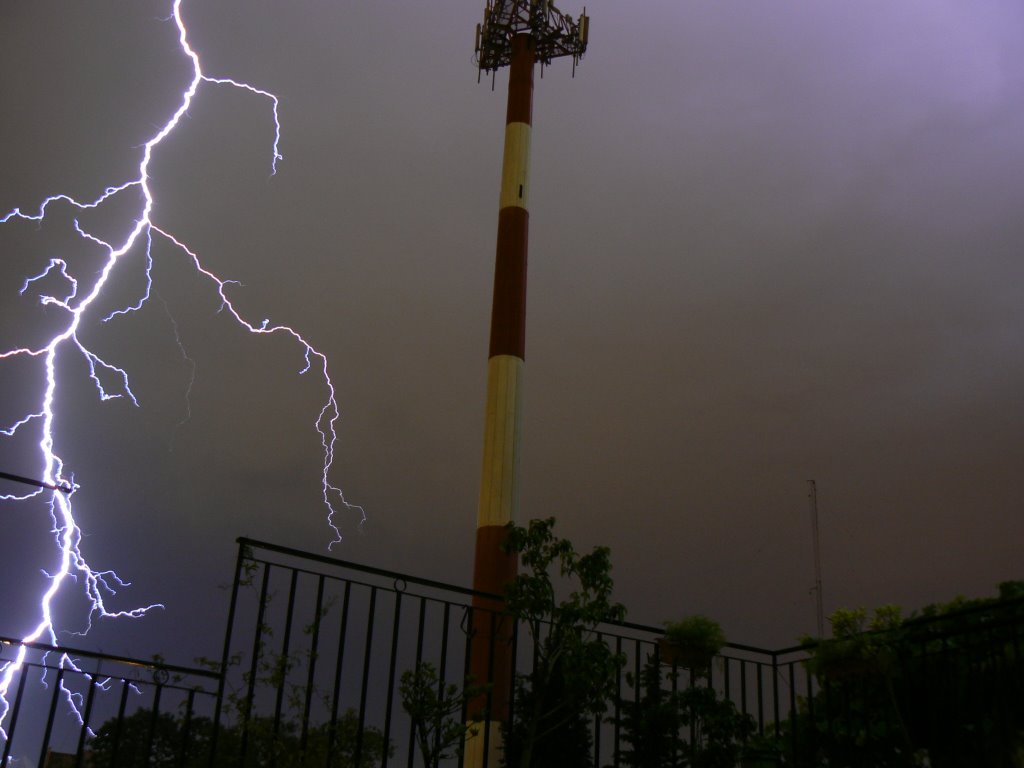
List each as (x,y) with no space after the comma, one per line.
(76,300)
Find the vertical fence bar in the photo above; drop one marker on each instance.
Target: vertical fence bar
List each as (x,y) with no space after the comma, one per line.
(1012,680)
(421,619)
(226,654)
(186,730)
(84,731)
(14,715)
(693,722)
(420,628)
(597,730)
(775,694)
(283,662)
(396,619)
(759,666)
(338,668)
(726,680)
(791,666)
(54,698)
(442,665)
(314,652)
(370,616)
(467,617)
(445,627)
(120,721)
(812,730)
(969,643)
(743,687)
(153,715)
(616,728)
(257,647)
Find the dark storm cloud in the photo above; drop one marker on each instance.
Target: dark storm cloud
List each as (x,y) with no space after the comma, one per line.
(769,242)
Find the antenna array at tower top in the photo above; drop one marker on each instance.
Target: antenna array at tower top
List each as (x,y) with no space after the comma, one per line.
(555,34)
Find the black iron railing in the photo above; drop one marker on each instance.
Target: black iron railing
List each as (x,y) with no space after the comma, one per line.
(75,707)
(315,649)
(345,634)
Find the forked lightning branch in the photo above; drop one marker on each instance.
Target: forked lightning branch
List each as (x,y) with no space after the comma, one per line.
(76,303)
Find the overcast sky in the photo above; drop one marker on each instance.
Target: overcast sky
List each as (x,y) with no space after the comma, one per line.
(770,241)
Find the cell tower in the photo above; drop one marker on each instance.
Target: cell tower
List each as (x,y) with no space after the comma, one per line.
(812,495)
(517,34)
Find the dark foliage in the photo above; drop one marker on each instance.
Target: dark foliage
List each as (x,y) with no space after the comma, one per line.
(943,686)
(145,740)
(574,669)
(665,727)
(558,736)
(435,709)
(651,722)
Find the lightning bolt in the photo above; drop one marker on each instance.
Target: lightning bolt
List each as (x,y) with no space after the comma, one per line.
(75,300)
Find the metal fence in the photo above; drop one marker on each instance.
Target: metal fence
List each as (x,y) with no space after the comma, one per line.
(70,707)
(334,638)
(315,649)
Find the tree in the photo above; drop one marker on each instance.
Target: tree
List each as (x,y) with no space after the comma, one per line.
(144,738)
(162,740)
(944,683)
(717,732)
(436,712)
(574,670)
(689,727)
(650,721)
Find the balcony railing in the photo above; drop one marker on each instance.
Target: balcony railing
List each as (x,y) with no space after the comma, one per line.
(315,648)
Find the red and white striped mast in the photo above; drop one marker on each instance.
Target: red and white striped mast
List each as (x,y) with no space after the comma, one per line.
(517,34)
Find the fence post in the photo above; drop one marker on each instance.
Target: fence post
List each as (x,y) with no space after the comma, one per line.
(225,655)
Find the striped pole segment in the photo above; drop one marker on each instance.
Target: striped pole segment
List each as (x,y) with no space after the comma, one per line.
(490,652)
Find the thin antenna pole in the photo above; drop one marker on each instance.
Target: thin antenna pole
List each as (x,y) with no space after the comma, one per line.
(812,494)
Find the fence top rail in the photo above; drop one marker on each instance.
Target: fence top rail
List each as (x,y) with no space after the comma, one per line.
(254,544)
(455,601)
(348,564)
(154,666)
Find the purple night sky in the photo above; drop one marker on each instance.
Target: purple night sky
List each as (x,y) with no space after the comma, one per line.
(769,242)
